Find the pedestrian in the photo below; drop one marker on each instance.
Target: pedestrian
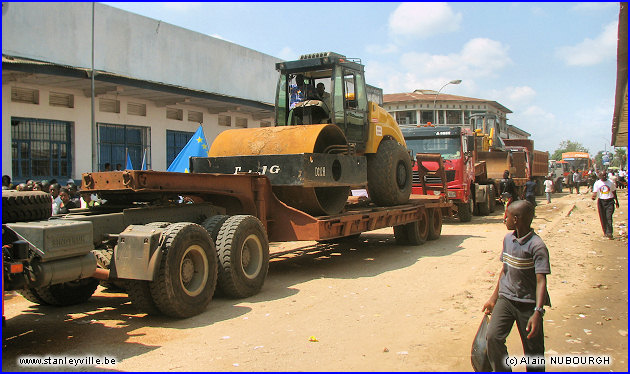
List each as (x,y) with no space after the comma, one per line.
(118,167)
(605,192)
(507,190)
(577,178)
(56,200)
(521,291)
(108,167)
(66,202)
(6,182)
(592,178)
(548,189)
(530,190)
(570,181)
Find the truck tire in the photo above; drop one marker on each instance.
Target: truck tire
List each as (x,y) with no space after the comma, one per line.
(103,261)
(464,211)
(483,207)
(243,250)
(140,296)
(64,294)
(413,233)
(389,174)
(492,198)
(213,225)
(187,275)
(31,295)
(435,223)
(20,206)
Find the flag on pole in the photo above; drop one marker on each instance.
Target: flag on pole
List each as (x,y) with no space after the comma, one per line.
(129,165)
(196,147)
(144,161)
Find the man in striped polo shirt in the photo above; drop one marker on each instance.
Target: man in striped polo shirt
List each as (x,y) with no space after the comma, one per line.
(521,291)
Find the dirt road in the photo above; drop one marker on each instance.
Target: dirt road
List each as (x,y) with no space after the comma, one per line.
(368,305)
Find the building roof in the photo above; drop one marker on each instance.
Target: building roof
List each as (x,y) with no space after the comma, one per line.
(429,96)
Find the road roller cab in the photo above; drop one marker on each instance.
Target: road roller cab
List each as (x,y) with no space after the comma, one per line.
(328,138)
(330,88)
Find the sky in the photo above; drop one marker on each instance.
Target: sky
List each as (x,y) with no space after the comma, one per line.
(552,64)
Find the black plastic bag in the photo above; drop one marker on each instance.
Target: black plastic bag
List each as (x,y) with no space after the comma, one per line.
(479,352)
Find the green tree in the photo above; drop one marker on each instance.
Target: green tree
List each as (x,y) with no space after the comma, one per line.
(598,160)
(568,146)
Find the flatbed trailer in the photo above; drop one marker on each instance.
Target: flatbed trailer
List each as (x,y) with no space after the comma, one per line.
(170,256)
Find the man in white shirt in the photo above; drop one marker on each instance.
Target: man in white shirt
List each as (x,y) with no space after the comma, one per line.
(605,192)
(548,189)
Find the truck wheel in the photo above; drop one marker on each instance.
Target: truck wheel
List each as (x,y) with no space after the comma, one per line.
(19,206)
(31,295)
(243,250)
(213,225)
(187,276)
(140,296)
(435,223)
(413,233)
(464,211)
(492,196)
(103,261)
(68,293)
(483,207)
(389,174)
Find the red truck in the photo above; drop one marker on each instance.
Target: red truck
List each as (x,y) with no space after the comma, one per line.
(528,161)
(468,185)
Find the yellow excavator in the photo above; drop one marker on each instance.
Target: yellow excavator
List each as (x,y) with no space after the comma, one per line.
(328,138)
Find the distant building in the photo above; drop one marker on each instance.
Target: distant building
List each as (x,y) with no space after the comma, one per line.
(154,83)
(417,108)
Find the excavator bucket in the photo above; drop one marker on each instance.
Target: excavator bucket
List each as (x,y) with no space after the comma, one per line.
(496,163)
(290,140)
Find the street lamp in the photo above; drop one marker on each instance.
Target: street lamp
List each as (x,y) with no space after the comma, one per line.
(455,81)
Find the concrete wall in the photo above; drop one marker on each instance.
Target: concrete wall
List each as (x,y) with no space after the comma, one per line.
(80,116)
(136,46)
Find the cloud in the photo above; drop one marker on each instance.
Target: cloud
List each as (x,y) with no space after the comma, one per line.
(591,51)
(287,54)
(514,98)
(589,7)
(181,7)
(480,57)
(422,20)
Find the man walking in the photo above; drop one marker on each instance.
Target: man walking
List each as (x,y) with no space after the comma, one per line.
(577,178)
(548,189)
(605,192)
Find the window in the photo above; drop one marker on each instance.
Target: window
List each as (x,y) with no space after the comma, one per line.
(61,99)
(136,109)
(426,116)
(406,117)
(41,148)
(109,105)
(24,95)
(241,122)
(453,117)
(225,120)
(116,141)
(175,142)
(174,113)
(195,116)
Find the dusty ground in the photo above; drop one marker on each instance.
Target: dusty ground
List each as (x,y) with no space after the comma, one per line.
(366,306)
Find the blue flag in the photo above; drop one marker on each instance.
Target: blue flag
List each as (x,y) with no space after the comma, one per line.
(196,147)
(129,165)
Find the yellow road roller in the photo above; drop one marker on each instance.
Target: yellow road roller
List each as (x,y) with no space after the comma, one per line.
(328,138)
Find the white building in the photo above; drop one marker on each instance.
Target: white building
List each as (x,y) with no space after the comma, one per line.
(154,83)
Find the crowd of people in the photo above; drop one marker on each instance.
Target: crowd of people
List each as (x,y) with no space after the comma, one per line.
(63,198)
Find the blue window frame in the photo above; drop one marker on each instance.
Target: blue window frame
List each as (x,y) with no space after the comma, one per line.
(41,149)
(115,141)
(175,141)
